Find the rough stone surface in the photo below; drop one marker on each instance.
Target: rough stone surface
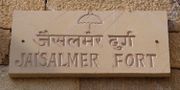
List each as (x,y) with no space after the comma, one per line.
(8,6)
(6,83)
(4,46)
(175,80)
(174,15)
(108,4)
(174,43)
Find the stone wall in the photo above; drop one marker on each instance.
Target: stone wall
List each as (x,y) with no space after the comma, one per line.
(172,7)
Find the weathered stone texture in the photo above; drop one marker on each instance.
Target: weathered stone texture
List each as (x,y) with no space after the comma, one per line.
(4,46)
(174,43)
(175,80)
(108,4)
(174,16)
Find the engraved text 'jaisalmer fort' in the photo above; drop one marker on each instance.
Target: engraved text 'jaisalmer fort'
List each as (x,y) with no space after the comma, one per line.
(83,59)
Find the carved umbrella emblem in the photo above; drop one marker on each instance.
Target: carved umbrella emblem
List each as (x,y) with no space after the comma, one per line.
(89,18)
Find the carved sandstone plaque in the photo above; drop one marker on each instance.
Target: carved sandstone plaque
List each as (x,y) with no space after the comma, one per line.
(89,43)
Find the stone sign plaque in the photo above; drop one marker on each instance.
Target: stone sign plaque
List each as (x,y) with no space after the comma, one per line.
(89,43)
